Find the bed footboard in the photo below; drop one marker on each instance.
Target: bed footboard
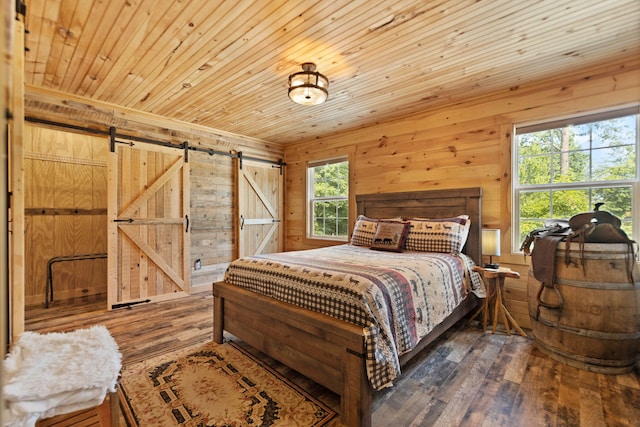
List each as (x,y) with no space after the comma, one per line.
(326,350)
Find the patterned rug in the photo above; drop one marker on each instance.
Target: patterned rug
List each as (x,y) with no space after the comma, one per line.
(214,385)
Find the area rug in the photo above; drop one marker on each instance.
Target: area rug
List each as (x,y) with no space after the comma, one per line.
(215,385)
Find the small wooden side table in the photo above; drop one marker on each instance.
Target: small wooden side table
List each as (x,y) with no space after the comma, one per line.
(494,281)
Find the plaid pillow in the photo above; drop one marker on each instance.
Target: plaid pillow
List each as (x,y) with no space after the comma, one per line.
(446,235)
(390,236)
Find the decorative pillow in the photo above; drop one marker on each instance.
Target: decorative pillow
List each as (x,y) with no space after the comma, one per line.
(390,236)
(447,235)
(364,231)
(366,228)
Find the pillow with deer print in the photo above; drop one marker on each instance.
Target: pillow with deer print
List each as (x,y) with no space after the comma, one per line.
(446,235)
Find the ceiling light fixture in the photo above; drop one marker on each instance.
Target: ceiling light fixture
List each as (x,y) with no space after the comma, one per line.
(308,87)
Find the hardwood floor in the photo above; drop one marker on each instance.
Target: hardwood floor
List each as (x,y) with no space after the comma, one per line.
(466,378)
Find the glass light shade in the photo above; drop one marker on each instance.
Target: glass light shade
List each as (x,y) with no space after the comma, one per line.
(308,87)
(491,242)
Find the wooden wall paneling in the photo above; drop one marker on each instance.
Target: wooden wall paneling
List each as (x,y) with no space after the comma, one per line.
(462,145)
(81,224)
(211,229)
(43,191)
(82,276)
(100,149)
(82,147)
(82,185)
(62,176)
(63,244)
(295,182)
(212,202)
(295,194)
(99,246)
(58,177)
(202,219)
(41,244)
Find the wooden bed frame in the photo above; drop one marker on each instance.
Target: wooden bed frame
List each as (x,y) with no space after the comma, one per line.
(327,350)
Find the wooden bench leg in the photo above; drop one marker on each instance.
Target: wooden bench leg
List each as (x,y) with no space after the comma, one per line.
(109,411)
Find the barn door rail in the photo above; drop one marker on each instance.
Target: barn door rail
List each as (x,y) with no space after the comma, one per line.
(131,139)
(276,163)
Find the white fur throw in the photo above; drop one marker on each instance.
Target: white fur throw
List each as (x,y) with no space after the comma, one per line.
(57,373)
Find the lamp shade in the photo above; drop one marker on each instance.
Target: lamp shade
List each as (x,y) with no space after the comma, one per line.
(308,87)
(491,242)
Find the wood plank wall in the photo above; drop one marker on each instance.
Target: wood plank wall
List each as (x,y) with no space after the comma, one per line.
(463,145)
(466,144)
(65,212)
(212,176)
(212,210)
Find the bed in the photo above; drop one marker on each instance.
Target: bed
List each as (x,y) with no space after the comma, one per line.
(330,351)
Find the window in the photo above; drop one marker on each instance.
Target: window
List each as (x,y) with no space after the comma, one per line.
(566,167)
(328,195)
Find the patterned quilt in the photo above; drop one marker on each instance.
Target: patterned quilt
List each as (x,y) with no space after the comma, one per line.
(397,298)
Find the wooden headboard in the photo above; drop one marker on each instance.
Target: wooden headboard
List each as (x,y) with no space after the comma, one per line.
(430,204)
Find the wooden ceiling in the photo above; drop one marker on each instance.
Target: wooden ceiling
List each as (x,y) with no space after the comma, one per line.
(225,64)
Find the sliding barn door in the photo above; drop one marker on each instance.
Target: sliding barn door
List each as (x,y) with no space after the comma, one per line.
(148,210)
(260,206)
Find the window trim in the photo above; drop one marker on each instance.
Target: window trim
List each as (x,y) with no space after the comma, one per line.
(530,127)
(309,199)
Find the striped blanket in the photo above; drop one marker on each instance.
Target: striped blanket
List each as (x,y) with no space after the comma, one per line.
(397,298)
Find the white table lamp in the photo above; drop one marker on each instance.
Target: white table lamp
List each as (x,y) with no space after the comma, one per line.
(491,245)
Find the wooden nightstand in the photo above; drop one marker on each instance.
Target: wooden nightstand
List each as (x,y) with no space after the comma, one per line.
(494,302)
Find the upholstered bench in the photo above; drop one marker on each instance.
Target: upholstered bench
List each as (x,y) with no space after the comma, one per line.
(59,373)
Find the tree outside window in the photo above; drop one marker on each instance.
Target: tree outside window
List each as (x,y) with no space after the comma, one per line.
(565,168)
(329,200)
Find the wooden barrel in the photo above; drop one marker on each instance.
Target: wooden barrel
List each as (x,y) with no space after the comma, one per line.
(597,328)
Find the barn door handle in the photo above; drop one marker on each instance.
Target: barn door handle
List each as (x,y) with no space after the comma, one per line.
(186,217)
(241,222)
